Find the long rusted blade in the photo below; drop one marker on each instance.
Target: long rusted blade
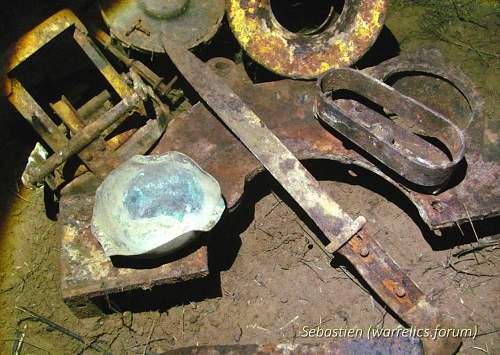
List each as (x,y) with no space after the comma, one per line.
(377,268)
(337,226)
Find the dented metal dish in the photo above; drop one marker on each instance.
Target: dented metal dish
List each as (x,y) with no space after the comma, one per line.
(424,148)
(155,205)
(141,24)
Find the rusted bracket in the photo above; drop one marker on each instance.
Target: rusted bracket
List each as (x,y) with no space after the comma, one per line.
(36,174)
(401,149)
(86,132)
(383,275)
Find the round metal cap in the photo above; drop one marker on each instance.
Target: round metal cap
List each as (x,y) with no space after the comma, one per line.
(140,24)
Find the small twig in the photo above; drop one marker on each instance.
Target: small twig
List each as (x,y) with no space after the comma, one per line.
(486,351)
(182,322)
(36,317)
(460,229)
(290,322)
(310,267)
(488,332)
(18,344)
(466,272)
(273,208)
(25,342)
(153,326)
(478,247)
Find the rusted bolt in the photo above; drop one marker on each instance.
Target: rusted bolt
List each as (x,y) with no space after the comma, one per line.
(364,252)
(438,206)
(400,292)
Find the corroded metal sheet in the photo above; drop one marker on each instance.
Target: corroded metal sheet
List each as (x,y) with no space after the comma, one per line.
(86,272)
(292,119)
(375,266)
(141,24)
(337,226)
(340,43)
(394,346)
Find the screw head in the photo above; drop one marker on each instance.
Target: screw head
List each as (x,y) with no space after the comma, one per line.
(400,292)
(364,252)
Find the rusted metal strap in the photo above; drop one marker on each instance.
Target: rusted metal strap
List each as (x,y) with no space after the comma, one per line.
(337,226)
(401,149)
(398,291)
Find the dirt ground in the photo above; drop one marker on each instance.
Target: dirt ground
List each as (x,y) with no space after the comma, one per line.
(268,279)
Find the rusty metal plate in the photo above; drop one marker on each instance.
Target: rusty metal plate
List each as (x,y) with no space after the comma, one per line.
(339,43)
(87,273)
(291,117)
(141,24)
(377,268)
(394,346)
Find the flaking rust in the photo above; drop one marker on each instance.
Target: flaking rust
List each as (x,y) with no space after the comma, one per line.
(380,272)
(304,56)
(399,148)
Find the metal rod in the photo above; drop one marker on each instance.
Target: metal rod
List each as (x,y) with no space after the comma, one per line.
(81,140)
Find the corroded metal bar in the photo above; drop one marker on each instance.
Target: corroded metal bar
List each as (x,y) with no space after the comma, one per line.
(337,226)
(94,104)
(81,140)
(155,81)
(36,116)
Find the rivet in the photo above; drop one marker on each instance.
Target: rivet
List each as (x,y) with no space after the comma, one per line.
(364,252)
(400,292)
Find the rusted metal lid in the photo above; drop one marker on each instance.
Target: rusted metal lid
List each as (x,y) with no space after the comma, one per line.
(337,43)
(140,24)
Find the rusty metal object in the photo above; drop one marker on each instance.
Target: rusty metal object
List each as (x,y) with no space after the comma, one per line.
(34,175)
(304,56)
(81,133)
(88,274)
(337,226)
(400,148)
(393,346)
(292,119)
(344,235)
(141,24)
(151,78)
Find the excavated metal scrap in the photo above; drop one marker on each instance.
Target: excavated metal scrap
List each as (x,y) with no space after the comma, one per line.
(341,43)
(372,263)
(339,346)
(155,205)
(141,24)
(400,148)
(87,131)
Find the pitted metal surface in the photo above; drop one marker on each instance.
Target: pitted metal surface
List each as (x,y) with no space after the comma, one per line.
(343,234)
(141,24)
(402,149)
(339,43)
